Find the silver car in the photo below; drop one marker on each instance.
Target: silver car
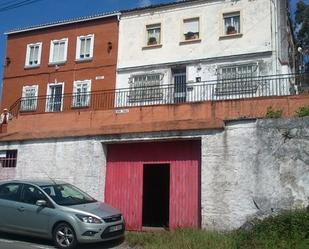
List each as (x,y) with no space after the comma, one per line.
(57,211)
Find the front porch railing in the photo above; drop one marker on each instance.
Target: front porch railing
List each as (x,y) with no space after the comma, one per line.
(215,90)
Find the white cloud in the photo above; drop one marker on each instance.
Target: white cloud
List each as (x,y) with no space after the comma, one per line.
(143,3)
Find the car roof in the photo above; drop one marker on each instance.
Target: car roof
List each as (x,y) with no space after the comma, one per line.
(38,182)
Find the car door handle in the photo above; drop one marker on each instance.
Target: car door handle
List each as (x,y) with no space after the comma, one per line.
(21,209)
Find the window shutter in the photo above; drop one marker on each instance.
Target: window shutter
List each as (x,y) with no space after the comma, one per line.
(191,26)
(78,48)
(51,51)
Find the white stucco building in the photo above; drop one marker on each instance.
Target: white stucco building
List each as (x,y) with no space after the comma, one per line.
(192,47)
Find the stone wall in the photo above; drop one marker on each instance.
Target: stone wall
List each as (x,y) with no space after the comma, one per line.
(254,168)
(248,169)
(78,161)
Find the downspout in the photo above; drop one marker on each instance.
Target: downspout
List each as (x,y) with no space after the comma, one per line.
(274,32)
(118,49)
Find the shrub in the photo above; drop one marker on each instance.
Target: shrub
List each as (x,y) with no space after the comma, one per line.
(272,113)
(303,111)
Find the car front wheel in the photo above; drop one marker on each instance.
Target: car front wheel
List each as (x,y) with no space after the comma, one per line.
(64,236)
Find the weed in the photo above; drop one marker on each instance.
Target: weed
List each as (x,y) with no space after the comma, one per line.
(303,111)
(271,113)
(285,231)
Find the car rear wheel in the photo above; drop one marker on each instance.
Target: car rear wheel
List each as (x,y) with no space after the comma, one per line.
(64,236)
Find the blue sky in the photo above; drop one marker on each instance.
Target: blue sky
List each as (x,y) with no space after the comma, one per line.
(45,11)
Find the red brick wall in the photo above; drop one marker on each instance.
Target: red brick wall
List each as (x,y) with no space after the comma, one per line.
(103,63)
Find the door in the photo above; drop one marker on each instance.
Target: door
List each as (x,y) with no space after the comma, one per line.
(32,218)
(180,85)
(54,99)
(156,195)
(9,206)
(135,171)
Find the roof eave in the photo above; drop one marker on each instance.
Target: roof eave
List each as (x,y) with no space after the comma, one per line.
(60,24)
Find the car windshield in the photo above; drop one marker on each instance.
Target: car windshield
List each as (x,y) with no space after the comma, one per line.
(67,195)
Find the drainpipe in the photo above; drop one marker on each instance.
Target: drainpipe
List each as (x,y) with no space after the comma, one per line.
(274,29)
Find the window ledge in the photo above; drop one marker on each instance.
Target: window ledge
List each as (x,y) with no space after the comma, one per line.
(152,46)
(83,60)
(25,110)
(80,107)
(31,67)
(230,36)
(57,63)
(190,41)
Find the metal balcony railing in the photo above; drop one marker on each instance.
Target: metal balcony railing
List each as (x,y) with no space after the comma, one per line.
(215,90)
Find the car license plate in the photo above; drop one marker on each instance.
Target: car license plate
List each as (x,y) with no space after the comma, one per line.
(115,228)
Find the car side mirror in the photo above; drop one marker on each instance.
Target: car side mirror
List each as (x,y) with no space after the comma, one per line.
(41,203)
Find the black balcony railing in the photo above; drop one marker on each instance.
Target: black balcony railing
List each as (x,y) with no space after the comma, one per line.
(215,90)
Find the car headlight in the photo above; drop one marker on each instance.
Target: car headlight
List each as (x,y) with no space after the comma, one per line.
(88,219)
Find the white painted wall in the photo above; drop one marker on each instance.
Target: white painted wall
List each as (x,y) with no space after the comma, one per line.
(253,162)
(256,30)
(259,43)
(204,90)
(77,161)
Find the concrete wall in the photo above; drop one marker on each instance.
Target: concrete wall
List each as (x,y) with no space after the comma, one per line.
(77,161)
(254,168)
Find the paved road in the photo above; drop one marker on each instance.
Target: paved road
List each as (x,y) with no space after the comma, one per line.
(8,241)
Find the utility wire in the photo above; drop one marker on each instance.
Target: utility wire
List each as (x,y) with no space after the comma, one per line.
(17,5)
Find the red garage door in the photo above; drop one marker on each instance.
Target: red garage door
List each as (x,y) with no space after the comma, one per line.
(141,176)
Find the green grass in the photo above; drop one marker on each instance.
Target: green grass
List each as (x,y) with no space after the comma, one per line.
(289,230)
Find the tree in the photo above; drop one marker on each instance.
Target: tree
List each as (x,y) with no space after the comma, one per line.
(302,30)
(302,22)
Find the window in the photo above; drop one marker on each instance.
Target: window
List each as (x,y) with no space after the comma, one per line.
(231,23)
(153,34)
(29,98)
(81,93)
(54,97)
(10,191)
(8,158)
(237,79)
(67,195)
(58,51)
(145,88)
(191,29)
(84,47)
(31,195)
(33,54)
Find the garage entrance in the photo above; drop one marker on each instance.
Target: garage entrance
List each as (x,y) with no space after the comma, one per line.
(156,192)
(155,184)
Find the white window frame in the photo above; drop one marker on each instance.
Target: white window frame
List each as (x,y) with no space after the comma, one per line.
(153,26)
(29,102)
(47,109)
(86,101)
(147,91)
(183,29)
(27,60)
(238,69)
(231,15)
(248,82)
(78,46)
(51,51)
